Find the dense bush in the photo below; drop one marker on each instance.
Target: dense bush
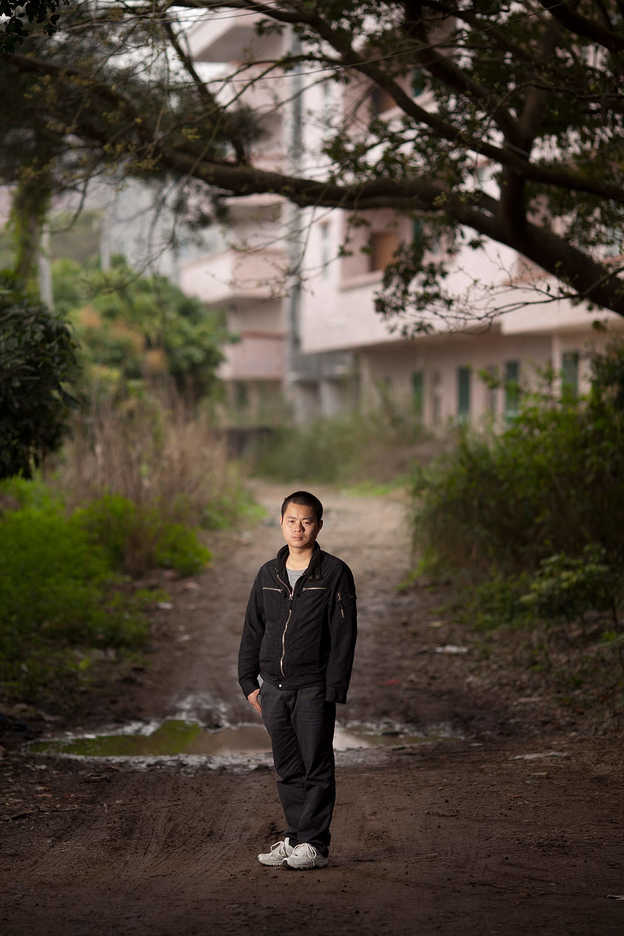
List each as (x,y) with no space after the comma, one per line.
(550,483)
(38,361)
(135,327)
(58,591)
(377,444)
(63,590)
(136,538)
(163,456)
(542,498)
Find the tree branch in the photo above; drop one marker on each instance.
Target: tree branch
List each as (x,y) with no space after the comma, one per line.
(582,26)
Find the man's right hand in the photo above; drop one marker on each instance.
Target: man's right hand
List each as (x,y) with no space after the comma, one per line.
(253,700)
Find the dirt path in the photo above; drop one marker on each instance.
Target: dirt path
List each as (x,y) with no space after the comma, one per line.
(512,824)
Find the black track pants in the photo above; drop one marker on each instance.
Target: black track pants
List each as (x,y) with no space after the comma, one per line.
(301,725)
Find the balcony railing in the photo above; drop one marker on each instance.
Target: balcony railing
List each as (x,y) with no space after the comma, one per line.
(236,275)
(257,356)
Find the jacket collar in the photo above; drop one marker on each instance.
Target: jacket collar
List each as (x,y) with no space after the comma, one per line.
(314,568)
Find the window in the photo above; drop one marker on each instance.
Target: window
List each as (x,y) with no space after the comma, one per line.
(417,238)
(418,394)
(492,388)
(436,398)
(570,373)
(381,101)
(382,247)
(296,141)
(241,395)
(417,81)
(463,393)
(512,388)
(327,95)
(325,249)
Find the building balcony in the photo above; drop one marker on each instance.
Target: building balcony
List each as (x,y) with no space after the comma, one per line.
(230,37)
(557,316)
(236,276)
(257,356)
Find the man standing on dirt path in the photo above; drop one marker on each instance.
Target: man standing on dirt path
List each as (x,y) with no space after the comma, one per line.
(299,636)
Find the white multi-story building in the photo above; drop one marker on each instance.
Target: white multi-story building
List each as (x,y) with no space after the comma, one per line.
(304,309)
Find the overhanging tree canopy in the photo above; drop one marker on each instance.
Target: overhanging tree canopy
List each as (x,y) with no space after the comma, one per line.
(529,91)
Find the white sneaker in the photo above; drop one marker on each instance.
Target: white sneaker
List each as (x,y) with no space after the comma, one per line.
(305,856)
(278,854)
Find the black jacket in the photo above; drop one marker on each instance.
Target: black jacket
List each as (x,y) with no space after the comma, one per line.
(302,636)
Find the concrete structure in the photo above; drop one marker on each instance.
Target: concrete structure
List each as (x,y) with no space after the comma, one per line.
(305,311)
(246,273)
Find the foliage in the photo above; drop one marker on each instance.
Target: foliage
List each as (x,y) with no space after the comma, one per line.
(63,595)
(136,538)
(479,121)
(179,548)
(531,516)
(17,14)
(495,602)
(157,452)
(38,362)
(549,483)
(58,591)
(376,445)
(567,587)
(132,327)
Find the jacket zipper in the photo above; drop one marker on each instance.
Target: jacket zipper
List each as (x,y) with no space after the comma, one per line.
(284,644)
(291,593)
(271,588)
(340,604)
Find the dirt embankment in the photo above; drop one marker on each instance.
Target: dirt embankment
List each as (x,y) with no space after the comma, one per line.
(506,821)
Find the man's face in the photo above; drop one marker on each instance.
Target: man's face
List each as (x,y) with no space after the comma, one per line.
(300,526)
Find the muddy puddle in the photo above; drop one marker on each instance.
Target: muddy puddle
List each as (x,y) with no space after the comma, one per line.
(177,737)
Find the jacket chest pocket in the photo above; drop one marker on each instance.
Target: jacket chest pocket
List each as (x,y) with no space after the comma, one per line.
(275,602)
(313,599)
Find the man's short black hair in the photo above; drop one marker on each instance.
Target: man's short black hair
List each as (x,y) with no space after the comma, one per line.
(307,499)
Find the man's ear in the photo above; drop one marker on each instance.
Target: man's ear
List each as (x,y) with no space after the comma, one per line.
(320,524)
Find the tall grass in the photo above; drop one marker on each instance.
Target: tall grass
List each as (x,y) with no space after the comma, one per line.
(130,492)
(157,462)
(550,483)
(530,519)
(376,445)
(153,451)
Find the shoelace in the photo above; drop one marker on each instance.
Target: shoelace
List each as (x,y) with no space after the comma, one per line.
(309,851)
(279,846)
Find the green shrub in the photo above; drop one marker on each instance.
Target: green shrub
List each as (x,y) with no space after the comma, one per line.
(55,581)
(496,602)
(158,454)
(549,484)
(357,446)
(61,591)
(565,588)
(532,515)
(38,362)
(179,548)
(57,591)
(60,594)
(136,538)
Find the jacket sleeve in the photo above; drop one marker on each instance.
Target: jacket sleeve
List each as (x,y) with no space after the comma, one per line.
(249,652)
(342,637)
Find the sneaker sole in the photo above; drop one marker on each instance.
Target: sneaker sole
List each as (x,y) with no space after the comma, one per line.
(308,867)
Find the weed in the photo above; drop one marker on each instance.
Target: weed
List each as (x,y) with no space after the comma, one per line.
(58,591)
(372,447)
(136,538)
